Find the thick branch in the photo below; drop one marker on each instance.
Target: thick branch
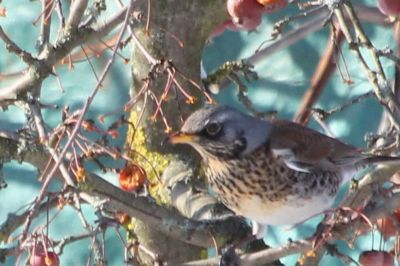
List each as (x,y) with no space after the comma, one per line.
(164,219)
(14,48)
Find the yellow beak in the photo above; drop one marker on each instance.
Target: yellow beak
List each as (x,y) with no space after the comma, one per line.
(180,137)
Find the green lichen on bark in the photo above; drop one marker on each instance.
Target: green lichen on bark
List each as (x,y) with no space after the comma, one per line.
(191,22)
(153,162)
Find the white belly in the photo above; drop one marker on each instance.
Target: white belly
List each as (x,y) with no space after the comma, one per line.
(292,212)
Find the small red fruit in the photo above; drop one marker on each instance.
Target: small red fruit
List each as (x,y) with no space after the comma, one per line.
(396,214)
(40,258)
(132,177)
(375,258)
(389,7)
(245,14)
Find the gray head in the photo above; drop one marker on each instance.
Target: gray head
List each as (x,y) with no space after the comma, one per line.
(223,132)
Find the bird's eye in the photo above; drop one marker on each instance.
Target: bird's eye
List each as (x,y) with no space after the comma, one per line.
(213,128)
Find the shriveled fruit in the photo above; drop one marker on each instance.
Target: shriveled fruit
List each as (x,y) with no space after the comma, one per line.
(132,177)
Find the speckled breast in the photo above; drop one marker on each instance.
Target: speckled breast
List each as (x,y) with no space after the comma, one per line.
(261,187)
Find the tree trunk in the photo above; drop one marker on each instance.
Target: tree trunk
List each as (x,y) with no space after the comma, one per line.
(191,22)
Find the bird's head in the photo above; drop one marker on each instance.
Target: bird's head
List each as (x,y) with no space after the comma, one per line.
(222,132)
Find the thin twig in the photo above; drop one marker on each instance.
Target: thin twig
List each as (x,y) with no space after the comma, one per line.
(325,114)
(60,244)
(61,17)
(14,48)
(14,221)
(90,63)
(242,94)
(376,78)
(63,169)
(146,54)
(36,74)
(45,24)
(96,243)
(38,118)
(291,37)
(58,162)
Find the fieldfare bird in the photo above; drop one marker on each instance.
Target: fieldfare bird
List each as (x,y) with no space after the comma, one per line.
(271,172)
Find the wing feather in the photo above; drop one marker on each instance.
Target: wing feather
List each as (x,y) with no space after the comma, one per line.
(305,149)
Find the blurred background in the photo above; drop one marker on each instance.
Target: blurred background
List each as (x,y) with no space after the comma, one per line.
(283,79)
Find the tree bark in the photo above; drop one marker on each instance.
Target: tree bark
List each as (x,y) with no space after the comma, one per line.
(191,22)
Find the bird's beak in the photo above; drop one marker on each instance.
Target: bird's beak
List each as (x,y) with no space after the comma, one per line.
(180,137)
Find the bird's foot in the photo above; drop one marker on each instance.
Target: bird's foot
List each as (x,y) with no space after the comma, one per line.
(229,256)
(320,235)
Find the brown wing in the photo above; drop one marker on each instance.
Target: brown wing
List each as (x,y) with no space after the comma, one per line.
(304,148)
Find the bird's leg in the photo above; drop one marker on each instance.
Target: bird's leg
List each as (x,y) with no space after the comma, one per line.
(258,232)
(321,233)
(229,256)
(324,228)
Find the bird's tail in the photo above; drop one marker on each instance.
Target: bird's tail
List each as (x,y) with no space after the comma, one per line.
(350,170)
(379,160)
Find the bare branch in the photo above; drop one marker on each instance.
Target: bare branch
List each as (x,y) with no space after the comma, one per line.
(45,24)
(321,76)
(291,37)
(77,9)
(261,257)
(14,221)
(60,159)
(60,244)
(36,73)
(105,195)
(376,77)
(14,48)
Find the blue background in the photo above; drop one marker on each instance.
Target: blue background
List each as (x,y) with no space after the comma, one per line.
(283,79)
